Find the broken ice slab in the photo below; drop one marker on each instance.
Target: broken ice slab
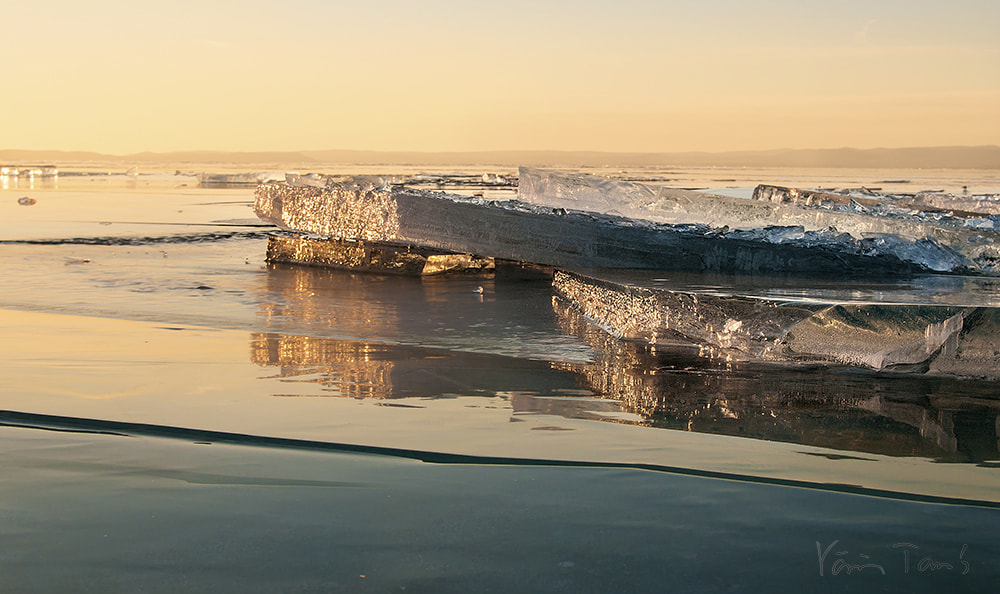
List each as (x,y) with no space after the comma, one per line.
(929,204)
(903,327)
(931,239)
(370,256)
(988,204)
(568,237)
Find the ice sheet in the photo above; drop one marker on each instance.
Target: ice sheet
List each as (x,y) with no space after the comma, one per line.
(932,239)
(572,236)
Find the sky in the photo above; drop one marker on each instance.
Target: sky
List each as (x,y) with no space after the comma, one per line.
(120,77)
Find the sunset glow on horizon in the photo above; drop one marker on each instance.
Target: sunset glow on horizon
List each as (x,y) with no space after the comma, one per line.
(121,77)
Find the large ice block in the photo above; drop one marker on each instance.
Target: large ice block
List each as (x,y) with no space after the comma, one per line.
(930,237)
(901,327)
(574,237)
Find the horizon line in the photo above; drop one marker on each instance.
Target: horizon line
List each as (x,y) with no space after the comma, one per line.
(923,157)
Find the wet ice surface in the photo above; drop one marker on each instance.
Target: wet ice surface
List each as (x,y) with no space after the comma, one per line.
(225,283)
(113,212)
(175,326)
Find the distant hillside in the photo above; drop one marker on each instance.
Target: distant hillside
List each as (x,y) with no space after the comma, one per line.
(8,156)
(222,157)
(956,157)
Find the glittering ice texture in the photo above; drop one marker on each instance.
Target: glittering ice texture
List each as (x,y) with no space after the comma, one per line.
(751,328)
(342,211)
(947,340)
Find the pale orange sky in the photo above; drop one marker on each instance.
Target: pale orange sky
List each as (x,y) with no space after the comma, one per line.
(439,75)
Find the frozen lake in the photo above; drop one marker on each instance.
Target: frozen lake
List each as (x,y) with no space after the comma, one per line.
(180,415)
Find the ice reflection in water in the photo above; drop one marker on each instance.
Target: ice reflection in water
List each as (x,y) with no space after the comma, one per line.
(940,418)
(475,313)
(342,368)
(946,419)
(509,319)
(325,367)
(359,369)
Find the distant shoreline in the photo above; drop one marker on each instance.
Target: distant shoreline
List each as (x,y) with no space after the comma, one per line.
(954,157)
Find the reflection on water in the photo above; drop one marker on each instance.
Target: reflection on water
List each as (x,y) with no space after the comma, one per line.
(309,366)
(340,367)
(939,418)
(510,320)
(301,297)
(946,419)
(319,366)
(501,315)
